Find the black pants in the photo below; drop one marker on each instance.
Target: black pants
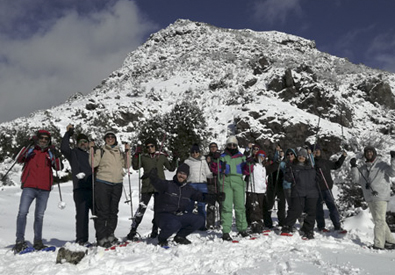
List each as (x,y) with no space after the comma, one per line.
(212,212)
(83,203)
(106,207)
(257,211)
(183,225)
(276,191)
(297,207)
(138,217)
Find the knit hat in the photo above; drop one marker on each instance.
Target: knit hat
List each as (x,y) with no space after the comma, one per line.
(183,168)
(40,133)
(110,132)
(261,152)
(195,148)
(302,152)
(82,136)
(232,139)
(150,141)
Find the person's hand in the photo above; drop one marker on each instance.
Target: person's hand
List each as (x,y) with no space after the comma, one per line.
(217,155)
(91,144)
(151,174)
(353,162)
(345,153)
(139,150)
(221,196)
(392,153)
(70,129)
(127,146)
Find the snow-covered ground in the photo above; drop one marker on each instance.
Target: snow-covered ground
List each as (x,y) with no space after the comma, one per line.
(208,254)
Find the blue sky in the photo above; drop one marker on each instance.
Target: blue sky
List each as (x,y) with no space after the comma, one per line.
(52,49)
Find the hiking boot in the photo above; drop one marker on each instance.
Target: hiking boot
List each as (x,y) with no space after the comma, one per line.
(163,243)
(112,239)
(309,235)
(340,230)
(389,246)
(181,240)
(227,237)
(244,234)
(132,236)
(104,243)
(19,246)
(38,245)
(286,231)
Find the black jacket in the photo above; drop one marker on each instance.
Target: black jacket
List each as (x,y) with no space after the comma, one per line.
(79,162)
(175,197)
(326,166)
(304,180)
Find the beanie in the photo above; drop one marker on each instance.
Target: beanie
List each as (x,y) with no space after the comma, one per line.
(82,136)
(261,152)
(232,139)
(111,132)
(183,168)
(195,148)
(302,152)
(150,141)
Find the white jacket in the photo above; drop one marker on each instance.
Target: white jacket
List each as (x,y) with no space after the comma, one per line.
(198,170)
(257,181)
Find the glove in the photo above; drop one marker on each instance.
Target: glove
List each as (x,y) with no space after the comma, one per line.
(221,196)
(151,174)
(139,150)
(70,131)
(353,162)
(32,140)
(392,153)
(80,176)
(217,155)
(175,154)
(223,168)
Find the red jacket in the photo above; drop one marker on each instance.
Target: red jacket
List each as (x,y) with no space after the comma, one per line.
(37,169)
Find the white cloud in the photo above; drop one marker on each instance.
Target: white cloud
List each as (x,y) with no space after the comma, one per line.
(276,11)
(74,55)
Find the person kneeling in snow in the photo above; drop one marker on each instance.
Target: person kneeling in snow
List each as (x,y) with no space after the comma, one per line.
(174,197)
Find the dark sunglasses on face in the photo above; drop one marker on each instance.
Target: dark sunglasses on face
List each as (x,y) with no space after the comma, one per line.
(232,145)
(213,146)
(110,136)
(290,154)
(150,146)
(44,138)
(256,149)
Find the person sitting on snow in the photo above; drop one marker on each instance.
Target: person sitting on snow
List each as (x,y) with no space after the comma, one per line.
(172,204)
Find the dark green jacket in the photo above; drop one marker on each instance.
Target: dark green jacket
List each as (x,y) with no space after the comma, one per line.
(150,161)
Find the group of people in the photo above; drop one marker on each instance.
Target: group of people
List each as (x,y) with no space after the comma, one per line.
(204,189)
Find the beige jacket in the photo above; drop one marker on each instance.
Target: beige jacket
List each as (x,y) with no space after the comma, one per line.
(109,163)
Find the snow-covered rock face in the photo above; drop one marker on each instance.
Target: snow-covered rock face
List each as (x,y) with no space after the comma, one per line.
(266,87)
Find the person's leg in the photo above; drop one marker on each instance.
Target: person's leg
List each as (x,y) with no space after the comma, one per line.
(333,212)
(83,201)
(189,224)
(227,208)
(382,232)
(310,210)
(41,206)
(295,209)
(238,185)
(116,193)
(27,197)
(168,224)
(320,216)
(138,217)
(102,207)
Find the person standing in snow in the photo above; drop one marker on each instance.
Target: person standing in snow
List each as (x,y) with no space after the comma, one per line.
(374,177)
(212,184)
(78,158)
(172,203)
(39,157)
(325,182)
(109,163)
(275,192)
(197,178)
(304,195)
(149,160)
(290,158)
(232,168)
(257,210)
(251,150)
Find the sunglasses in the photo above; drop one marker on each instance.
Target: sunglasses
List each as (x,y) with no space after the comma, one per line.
(110,136)
(150,146)
(195,152)
(290,154)
(213,146)
(43,138)
(256,149)
(232,145)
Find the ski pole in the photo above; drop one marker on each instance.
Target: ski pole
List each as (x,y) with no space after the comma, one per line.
(130,185)
(374,193)
(5,175)
(93,184)
(61,204)
(327,186)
